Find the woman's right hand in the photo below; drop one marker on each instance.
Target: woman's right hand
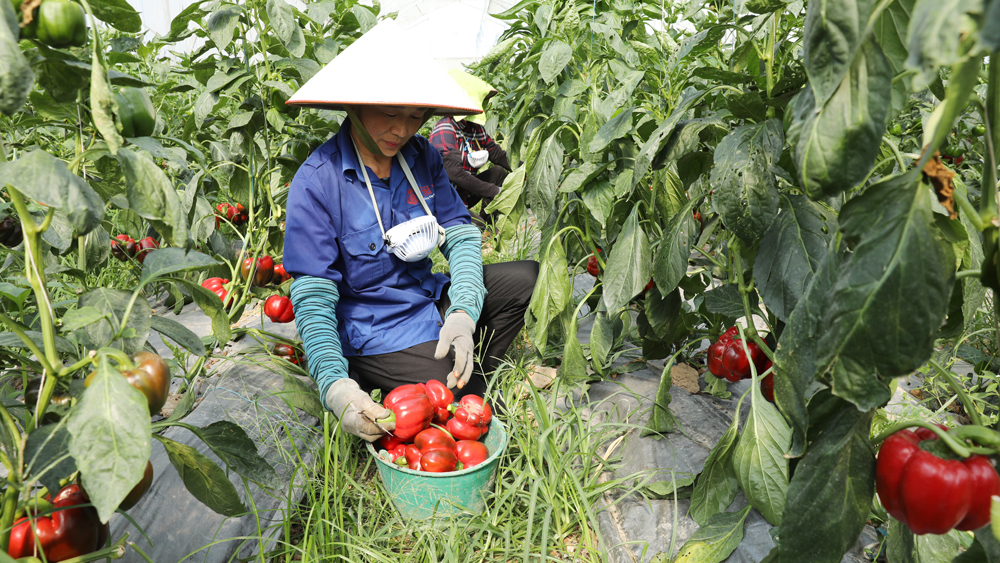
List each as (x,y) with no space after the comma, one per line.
(357,411)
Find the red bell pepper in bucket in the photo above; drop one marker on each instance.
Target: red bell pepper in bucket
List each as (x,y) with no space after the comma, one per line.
(411,414)
(442,398)
(471,452)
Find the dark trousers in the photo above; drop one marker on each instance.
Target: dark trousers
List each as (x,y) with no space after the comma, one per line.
(509,286)
(493,175)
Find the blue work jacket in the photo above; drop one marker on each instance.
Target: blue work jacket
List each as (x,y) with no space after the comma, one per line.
(331,232)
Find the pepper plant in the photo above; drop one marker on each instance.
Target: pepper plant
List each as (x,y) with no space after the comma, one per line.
(851,242)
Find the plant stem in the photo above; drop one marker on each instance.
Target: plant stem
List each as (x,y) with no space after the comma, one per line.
(991,118)
(16,329)
(981,435)
(7,516)
(947,437)
(963,395)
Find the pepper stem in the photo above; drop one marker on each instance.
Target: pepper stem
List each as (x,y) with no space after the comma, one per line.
(963,395)
(950,438)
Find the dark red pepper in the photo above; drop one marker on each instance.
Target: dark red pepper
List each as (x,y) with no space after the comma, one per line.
(442,398)
(592,266)
(144,247)
(279,309)
(262,273)
(280,276)
(287,352)
(727,359)
(123,247)
(10,232)
(931,494)
(65,534)
(471,452)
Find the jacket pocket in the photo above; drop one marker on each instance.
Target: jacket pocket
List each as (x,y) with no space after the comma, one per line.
(365,259)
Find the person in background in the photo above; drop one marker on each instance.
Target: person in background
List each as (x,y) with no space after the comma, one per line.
(466,147)
(371,313)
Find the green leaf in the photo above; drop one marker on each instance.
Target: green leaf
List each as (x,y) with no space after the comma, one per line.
(11,340)
(47,457)
(831,492)
(166,261)
(178,333)
(660,138)
(832,37)
(726,301)
(103,105)
(118,14)
(238,451)
(302,396)
(554,59)
(286,28)
(616,128)
(795,358)
(152,196)
(629,265)
(745,193)
(602,338)
(16,77)
(114,302)
(221,25)
(662,420)
(759,458)
(892,291)
(552,294)
(716,540)
(791,251)
(890,32)
(96,247)
(670,489)
(110,431)
(78,318)
(543,179)
(580,177)
(836,142)
(670,261)
(748,105)
(203,478)
(366,19)
(717,485)
(574,363)
(46,179)
(211,305)
(902,546)
(599,197)
(935,36)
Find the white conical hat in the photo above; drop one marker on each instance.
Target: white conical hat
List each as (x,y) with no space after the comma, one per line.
(385,67)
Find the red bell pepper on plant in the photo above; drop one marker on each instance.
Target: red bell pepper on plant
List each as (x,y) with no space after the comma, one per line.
(929,493)
(767,387)
(263,271)
(593,268)
(287,352)
(280,276)
(135,495)
(442,398)
(727,359)
(65,534)
(123,247)
(10,232)
(216,286)
(279,309)
(471,452)
(144,247)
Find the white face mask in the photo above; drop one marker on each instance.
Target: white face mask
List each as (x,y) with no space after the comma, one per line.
(478,158)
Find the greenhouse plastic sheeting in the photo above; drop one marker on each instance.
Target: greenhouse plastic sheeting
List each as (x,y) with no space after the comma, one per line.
(179,526)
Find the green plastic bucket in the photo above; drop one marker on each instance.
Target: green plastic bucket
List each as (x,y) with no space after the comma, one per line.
(419,495)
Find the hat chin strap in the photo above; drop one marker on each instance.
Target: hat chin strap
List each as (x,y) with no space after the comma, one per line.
(369,143)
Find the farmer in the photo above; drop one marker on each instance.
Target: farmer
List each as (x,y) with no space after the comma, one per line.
(371,314)
(466,147)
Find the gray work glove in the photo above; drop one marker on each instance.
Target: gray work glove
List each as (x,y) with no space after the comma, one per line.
(457,333)
(357,411)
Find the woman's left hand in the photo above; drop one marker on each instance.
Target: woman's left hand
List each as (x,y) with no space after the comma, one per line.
(457,333)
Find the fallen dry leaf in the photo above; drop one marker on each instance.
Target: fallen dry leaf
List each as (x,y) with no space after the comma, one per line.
(940,177)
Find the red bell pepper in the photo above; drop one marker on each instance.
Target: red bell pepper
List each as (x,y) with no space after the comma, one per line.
(442,398)
(435,452)
(279,309)
(462,431)
(216,286)
(727,359)
(123,247)
(280,276)
(411,413)
(287,352)
(471,452)
(403,391)
(65,534)
(931,494)
(593,267)
(434,439)
(474,411)
(145,246)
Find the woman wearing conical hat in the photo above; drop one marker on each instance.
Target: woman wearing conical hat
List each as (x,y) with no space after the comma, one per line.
(466,147)
(364,211)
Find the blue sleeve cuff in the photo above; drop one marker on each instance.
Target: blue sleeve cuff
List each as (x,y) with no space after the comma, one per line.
(315,302)
(464,252)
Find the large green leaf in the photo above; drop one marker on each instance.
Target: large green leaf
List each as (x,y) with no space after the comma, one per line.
(178,333)
(716,540)
(302,396)
(543,180)
(836,143)
(118,14)
(717,484)
(103,105)
(96,247)
(615,128)
(46,179)
(286,28)
(221,25)
(671,259)
(661,138)
(16,77)
(166,261)
(832,37)
(890,32)
(759,458)
(892,291)
(745,193)
(46,455)
(554,59)
(238,451)
(110,431)
(114,302)
(903,546)
(936,30)
(629,265)
(552,294)
(203,478)
(151,195)
(795,358)
(830,495)
(599,197)
(791,251)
